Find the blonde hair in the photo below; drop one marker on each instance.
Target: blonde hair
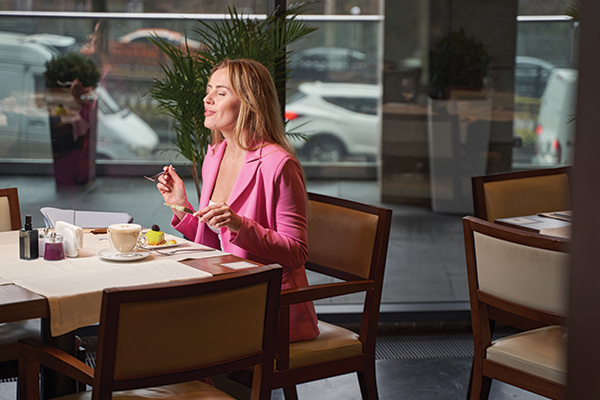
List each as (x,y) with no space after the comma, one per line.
(260,118)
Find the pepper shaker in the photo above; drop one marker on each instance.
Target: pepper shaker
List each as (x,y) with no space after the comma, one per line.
(28,241)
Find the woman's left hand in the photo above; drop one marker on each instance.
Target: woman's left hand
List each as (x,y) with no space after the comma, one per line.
(220,215)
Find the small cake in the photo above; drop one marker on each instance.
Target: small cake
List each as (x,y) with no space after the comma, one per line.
(155,236)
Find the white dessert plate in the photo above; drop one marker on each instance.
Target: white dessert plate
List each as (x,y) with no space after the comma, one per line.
(111,255)
(177,240)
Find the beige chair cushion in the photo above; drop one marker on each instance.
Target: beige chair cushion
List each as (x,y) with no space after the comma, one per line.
(333,342)
(10,332)
(541,352)
(5,222)
(525,275)
(181,391)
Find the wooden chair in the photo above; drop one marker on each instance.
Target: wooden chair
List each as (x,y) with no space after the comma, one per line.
(347,241)
(515,194)
(165,337)
(10,212)
(11,332)
(525,274)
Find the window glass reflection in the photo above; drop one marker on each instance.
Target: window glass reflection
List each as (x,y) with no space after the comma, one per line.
(545,78)
(132,128)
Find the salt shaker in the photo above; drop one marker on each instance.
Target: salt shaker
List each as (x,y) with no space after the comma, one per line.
(42,242)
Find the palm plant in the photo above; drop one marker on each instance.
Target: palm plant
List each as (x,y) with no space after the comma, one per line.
(180,91)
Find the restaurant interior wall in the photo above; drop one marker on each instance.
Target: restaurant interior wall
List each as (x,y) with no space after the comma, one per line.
(584,297)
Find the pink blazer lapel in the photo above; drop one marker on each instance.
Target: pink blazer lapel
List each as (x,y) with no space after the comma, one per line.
(210,170)
(246,175)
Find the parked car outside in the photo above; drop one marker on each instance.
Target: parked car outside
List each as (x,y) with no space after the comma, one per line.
(24,122)
(171,37)
(338,120)
(531,76)
(59,43)
(556,122)
(333,64)
(133,55)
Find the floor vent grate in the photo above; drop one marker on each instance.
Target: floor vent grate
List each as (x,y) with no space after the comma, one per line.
(425,347)
(397,348)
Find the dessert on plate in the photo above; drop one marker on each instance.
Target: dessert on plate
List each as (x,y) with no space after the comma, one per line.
(155,236)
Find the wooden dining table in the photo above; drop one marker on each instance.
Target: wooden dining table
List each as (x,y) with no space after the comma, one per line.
(552,223)
(19,302)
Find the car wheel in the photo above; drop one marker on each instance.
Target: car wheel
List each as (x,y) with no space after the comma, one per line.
(324,149)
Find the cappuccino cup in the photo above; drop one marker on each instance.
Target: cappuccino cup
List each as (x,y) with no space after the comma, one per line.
(125,238)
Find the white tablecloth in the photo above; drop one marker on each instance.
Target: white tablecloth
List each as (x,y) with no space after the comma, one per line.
(74,286)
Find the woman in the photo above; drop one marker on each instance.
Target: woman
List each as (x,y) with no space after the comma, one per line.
(97,48)
(253,199)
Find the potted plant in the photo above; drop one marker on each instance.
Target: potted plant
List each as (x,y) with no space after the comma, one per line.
(70,81)
(459,125)
(457,61)
(181,90)
(63,69)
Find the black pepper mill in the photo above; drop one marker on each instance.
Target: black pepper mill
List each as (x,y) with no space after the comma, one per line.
(28,241)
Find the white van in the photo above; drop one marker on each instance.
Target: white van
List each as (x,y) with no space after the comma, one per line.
(556,120)
(25,127)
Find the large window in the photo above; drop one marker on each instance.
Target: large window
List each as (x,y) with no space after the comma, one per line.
(359,91)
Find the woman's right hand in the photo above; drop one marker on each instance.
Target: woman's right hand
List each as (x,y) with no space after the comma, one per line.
(172,188)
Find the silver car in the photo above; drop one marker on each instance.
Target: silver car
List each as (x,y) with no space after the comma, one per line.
(338,120)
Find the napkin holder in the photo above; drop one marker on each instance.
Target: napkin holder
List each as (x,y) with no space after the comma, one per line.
(72,237)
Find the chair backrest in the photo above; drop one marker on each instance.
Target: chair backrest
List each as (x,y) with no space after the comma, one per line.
(168,333)
(517,271)
(10,212)
(349,241)
(347,238)
(515,194)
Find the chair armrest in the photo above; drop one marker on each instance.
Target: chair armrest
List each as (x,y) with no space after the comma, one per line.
(322,291)
(55,359)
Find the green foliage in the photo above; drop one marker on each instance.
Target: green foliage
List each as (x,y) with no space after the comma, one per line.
(181,91)
(457,61)
(68,67)
(262,40)
(574,10)
(180,94)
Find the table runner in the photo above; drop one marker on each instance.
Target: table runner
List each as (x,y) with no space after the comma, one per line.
(73,286)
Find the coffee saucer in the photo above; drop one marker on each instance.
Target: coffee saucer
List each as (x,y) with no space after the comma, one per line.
(111,255)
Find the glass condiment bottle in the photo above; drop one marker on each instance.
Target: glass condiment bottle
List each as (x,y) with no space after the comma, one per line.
(54,248)
(42,241)
(28,241)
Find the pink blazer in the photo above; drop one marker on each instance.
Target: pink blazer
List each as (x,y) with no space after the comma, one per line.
(270,197)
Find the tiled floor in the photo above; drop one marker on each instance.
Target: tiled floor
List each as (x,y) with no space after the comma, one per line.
(410,379)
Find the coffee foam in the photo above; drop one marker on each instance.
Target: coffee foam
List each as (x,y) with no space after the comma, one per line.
(124,237)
